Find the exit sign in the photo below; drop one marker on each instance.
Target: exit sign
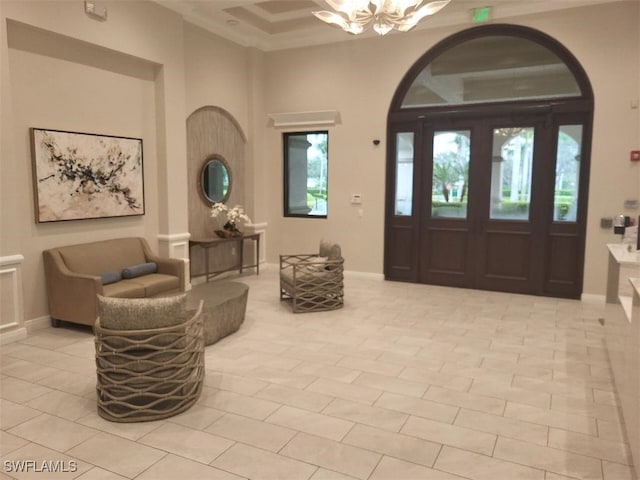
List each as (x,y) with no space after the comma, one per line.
(480,14)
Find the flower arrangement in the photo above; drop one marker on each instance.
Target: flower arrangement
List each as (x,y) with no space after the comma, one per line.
(233,216)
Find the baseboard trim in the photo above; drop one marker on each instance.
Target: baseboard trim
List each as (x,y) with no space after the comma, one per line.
(13,335)
(593,298)
(38,323)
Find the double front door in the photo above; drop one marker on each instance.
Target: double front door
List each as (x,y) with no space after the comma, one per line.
(492,203)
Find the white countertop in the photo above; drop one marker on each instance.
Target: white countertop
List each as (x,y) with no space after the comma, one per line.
(623,256)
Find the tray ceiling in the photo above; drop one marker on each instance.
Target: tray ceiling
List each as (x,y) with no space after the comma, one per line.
(281,24)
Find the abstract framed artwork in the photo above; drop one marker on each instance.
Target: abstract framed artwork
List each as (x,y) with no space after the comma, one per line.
(84,175)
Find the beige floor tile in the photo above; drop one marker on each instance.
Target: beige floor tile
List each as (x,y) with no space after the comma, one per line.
(198,417)
(591,446)
(585,407)
(173,467)
(430,377)
(289,378)
(471,401)
(236,403)
(344,367)
(187,442)
(252,432)
(130,431)
(615,471)
(27,371)
(12,414)
(517,369)
(331,455)
(31,461)
(505,391)
(62,404)
(614,431)
(545,458)
(391,384)
(552,418)
(418,407)
(97,473)
(10,442)
(340,374)
(393,469)
(310,422)
(372,366)
(254,463)
(324,474)
(406,360)
(345,391)
(233,383)
(465,374)
(393,444)
(464,438)
(117,454)
(383,418)
(295,398)
(507,427)
(53,432)
(19,391)
(70,382)
(481,467)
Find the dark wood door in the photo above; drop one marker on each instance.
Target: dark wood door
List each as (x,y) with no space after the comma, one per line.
(471,234)
(482,204)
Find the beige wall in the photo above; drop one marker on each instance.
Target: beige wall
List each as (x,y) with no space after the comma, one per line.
(193,68)
(64,70)
(358,78)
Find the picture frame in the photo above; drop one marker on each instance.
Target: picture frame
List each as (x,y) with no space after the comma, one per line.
(79,176)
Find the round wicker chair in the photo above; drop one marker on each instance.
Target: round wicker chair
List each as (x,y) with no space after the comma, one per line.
(152,373)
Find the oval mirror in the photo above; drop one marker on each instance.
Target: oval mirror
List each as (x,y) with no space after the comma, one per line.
(215,179)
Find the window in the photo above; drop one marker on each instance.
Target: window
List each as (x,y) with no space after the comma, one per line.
(404,174)
(305,174)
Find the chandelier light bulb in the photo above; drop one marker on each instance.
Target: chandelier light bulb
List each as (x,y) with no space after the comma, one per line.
(354,16)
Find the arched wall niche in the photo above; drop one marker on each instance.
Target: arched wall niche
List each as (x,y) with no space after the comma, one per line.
(212,131)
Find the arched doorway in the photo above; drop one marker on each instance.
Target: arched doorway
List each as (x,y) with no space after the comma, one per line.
(489,136)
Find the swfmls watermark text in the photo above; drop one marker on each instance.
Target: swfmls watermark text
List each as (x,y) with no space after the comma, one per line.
(40,466)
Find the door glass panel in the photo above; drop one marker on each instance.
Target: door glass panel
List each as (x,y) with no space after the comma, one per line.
(403,204)
(511,168)
(565,198)
(450,182)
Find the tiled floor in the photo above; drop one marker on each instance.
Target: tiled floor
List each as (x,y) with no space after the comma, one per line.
(406,382)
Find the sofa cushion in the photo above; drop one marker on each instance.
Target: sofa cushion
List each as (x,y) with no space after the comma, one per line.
(156,283)
(134,271)
(124,289)
(141,313)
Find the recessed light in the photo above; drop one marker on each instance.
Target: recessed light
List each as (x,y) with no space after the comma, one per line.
(232,22)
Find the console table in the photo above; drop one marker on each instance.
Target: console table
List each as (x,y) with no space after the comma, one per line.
(207,243)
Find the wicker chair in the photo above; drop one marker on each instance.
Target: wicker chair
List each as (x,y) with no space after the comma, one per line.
(149,357)
(313,282)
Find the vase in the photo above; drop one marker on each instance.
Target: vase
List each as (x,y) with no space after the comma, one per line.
(229,231)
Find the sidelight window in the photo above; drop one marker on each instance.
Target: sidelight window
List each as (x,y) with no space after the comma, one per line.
(565,198)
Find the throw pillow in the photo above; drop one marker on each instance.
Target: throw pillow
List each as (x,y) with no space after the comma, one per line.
(141,313)
(330,250)
(110,277)
(139,270)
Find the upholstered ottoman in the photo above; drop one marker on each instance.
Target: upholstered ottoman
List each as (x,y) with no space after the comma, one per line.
(225,304)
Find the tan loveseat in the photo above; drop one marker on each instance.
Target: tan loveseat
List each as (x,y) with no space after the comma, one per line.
(121,267)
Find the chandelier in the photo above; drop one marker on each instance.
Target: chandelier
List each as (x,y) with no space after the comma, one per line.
(385,15)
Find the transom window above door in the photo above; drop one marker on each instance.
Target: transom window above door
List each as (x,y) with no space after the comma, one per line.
(493,68)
